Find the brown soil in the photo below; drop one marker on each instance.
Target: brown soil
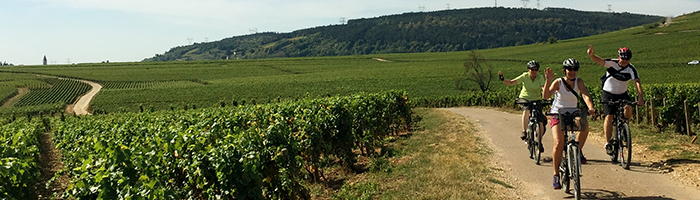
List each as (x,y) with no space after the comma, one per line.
(684,171)
(50,164)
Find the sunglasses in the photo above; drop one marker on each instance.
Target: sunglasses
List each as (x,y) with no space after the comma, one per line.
(534,69)
(572,69)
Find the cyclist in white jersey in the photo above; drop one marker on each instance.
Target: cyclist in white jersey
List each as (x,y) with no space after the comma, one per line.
(566,101)
(615,81)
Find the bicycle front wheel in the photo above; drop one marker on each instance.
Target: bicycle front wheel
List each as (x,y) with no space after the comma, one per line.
(575,168)
(625,146)
(538,142)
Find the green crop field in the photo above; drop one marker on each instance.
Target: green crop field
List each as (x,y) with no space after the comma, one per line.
(660,54)
(268,151)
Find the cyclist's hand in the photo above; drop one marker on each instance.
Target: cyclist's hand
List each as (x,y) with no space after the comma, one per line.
(548,74)
(591,112)
(500,74)
(590,50)
(640,102)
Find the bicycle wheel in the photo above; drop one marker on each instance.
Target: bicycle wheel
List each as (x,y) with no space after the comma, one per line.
(625,144)
(564,172)
(530,142)
(614,141)
(536,144)
(575,167)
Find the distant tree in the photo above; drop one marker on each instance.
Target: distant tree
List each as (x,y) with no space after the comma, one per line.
(478,70)
(552,40)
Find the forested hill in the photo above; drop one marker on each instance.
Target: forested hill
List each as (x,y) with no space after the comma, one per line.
(439,31)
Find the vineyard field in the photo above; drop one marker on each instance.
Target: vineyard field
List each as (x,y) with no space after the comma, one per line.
(660,54)
(247,152)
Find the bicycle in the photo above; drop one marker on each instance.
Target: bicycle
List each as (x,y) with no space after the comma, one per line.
(622,140)
(533,138)
(570,167)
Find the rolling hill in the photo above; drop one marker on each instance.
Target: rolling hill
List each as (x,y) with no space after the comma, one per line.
(439,31)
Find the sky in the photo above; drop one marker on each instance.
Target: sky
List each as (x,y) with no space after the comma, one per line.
(93,31)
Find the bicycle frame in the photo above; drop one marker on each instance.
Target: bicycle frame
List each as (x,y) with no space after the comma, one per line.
(622,135)
(533,137)
(570,166)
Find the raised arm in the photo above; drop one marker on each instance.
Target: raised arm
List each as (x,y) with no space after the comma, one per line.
(549,85)
(640,92)
(506,81)
(586,96)
(595,58)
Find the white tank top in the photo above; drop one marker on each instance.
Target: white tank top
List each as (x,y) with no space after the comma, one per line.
(565,100)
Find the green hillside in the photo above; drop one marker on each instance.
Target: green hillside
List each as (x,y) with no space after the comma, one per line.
(660,54)
(439,31)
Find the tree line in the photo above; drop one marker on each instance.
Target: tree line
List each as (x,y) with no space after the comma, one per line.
(439,31)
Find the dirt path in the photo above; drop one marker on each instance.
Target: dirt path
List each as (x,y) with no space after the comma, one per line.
(381,60)
(82,106)
(50,164)
(601,179)
(21,91)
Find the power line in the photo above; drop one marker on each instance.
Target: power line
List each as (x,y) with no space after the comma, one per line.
(525,3)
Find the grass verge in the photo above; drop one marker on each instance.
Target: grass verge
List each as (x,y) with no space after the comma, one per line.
(442,158)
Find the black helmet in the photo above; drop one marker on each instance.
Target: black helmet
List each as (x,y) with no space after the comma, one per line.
(571,64)
(624,53)
(533,65)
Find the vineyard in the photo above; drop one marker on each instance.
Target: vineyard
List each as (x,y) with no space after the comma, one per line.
(247,152)
(64,91)
(127,85)
(19,148)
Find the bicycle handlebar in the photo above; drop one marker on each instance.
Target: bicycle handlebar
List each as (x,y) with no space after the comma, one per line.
(521,101)
(623,102)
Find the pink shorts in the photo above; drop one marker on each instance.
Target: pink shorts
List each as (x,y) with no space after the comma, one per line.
(553,121)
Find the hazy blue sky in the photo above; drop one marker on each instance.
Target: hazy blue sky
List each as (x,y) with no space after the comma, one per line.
(81,31)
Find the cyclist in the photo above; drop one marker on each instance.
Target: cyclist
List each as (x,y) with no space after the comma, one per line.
(566,101)
(532,91)
(615,81)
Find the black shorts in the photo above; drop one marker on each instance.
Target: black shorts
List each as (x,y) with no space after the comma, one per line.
(609,109)
(541,116)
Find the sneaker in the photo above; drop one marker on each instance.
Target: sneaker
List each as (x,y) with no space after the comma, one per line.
(583,159)
(555,182)
(524,136)
(609,149)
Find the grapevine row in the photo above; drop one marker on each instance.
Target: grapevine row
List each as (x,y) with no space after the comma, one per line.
(63,91)
(258,152)
(19,150)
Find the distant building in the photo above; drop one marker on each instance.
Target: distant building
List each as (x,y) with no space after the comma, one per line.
(45,61)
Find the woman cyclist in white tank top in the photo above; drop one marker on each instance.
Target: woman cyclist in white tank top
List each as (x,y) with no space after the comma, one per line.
(565,100)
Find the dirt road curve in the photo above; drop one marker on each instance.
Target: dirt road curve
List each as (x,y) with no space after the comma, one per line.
(81,106)
(601,179)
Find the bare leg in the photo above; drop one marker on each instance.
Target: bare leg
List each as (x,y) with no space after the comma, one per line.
(628,111)
(526,119)
(607,127)
(582,136)
(558,147)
